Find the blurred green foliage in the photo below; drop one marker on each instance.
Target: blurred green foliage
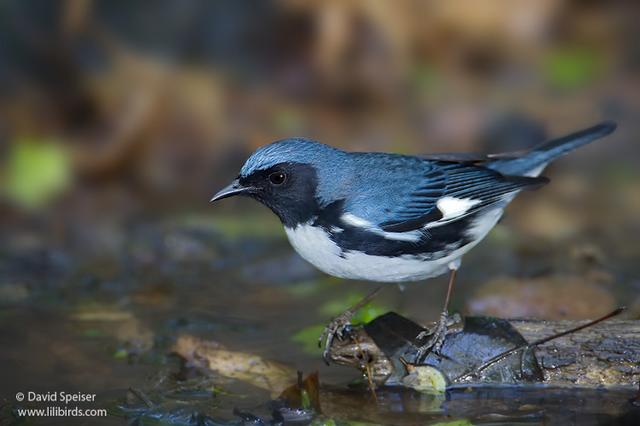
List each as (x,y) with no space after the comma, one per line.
(324,422)
(120,353)
(36,172)
(248,226)
(425,79)
(92,333)
(256,224)
(461,422)
(287,120)
(368,313)
(572,67)
(308,336)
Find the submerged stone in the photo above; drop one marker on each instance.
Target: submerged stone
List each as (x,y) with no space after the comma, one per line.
(479,340)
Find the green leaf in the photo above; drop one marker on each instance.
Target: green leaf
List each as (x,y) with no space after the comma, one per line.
(306,401)
(36,173)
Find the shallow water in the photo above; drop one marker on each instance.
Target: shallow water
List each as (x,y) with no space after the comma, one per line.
(97,312)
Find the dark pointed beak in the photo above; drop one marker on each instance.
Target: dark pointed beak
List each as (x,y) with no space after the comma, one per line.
(234,188)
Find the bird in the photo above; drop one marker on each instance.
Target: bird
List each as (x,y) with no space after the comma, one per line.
(391,218)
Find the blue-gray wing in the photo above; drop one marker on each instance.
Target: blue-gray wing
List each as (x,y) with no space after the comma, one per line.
(477,186)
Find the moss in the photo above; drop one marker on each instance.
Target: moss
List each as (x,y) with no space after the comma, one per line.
(36,173)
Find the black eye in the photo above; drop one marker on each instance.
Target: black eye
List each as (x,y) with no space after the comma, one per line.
(277,178)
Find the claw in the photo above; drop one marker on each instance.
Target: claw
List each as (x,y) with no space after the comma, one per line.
(338,327)
(435,342)
(422,335)
(439,333)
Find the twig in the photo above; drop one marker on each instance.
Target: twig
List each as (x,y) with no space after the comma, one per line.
(372,386)
(477,370)
(367,366)
(368,298)
(141,396)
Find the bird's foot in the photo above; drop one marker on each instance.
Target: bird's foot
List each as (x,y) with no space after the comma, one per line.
(438,335)
(339,327)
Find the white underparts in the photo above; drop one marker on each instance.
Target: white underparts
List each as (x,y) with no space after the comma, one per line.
(316,247)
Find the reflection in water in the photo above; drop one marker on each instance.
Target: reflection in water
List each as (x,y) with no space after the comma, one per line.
(104,323)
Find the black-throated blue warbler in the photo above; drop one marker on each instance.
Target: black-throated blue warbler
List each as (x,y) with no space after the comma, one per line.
(388,217)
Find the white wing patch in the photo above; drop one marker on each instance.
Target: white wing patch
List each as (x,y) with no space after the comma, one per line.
(358,222)
(452,207)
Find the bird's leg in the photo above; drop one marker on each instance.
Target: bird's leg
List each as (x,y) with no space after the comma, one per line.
(440,331)
(339,326)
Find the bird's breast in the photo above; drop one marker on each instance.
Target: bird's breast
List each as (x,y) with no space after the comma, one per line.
(355,253)
(316,246)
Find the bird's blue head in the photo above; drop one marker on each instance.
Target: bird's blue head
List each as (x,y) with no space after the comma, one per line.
(293,177)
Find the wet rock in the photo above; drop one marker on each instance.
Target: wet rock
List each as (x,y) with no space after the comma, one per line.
(555,297)
(391,348)
(600,352)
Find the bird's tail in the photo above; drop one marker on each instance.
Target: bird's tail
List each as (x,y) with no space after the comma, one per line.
(534,161)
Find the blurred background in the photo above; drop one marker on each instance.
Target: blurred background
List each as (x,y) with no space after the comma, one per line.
(120,119)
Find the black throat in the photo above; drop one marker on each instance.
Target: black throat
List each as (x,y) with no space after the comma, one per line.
(295,202)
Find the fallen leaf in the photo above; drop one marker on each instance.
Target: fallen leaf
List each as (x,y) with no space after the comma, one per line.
(249,368)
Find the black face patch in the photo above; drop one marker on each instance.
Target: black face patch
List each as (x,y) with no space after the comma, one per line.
(294,202)
(435,243)
(294,199)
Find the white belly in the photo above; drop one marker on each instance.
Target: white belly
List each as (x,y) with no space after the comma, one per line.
(315,246)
